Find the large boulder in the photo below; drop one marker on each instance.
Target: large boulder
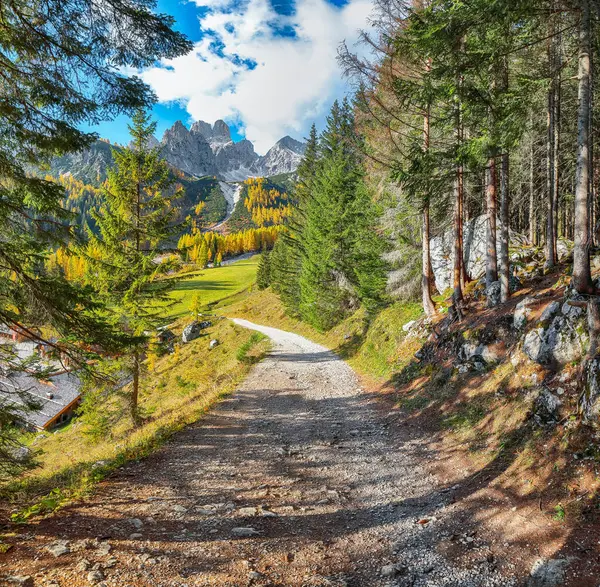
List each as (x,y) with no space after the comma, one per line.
(493,294)
(564,248)
(533,345)
(549,312)
(589,404)
(474,251)
(193,329)
(561,336)
(546,407)
(522,313)
(565,340)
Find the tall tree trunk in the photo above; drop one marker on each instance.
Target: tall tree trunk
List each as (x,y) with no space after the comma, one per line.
(135,390)
(428,305)
(557,59)
(458,277)
(491,261)
(532,206)
(504,207)
(550,154)
(582,279)
(504,227)
(550,247)
(458,236)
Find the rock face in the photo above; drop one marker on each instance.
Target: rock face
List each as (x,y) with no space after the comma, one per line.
(474,234)
(209,150)
(203,149)
(522,313)
(283,157)
(560,337)
(546,407)
(89,165)
(188,151)
(193,329)
(590,398)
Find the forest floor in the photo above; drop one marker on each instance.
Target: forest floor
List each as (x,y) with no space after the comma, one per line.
(300,478)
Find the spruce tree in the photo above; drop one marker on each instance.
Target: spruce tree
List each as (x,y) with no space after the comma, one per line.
(341,252)
(137,217)
(263,274)
(286,257)
(63,66)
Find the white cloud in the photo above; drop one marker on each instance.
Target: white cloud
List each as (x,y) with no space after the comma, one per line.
(295,78)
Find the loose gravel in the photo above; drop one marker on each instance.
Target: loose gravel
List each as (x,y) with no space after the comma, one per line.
(300,479)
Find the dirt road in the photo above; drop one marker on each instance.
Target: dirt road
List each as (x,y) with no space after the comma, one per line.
(299,479)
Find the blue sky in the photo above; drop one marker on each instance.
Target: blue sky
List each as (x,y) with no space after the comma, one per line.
(267,67)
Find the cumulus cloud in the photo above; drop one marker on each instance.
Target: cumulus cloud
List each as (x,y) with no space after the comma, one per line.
(270,73)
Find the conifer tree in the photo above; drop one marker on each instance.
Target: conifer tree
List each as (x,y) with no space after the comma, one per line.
(341,253)
(263,274)
(286,257)
(63,66)
(136,218)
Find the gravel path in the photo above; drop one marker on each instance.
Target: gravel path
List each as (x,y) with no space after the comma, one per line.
(300,479)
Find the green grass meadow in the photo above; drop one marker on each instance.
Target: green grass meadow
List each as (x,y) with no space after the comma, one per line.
(213,284)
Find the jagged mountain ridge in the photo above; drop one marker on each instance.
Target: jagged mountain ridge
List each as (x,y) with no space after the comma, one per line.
(206,149)
(199,151)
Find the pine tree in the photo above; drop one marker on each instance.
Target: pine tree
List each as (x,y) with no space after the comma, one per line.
(63,66)
(136,218)
(263,274)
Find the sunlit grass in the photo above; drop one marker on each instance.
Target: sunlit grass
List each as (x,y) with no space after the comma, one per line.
(212,284)
(177,391)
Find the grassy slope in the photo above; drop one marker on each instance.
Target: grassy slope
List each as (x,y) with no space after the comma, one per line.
(214,284)
(376,352)
(178,389)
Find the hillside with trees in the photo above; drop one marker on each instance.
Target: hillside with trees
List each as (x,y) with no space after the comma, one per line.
(426,267)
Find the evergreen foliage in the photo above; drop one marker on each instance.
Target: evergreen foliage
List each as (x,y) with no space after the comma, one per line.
(63,66)
(263,274)
(136,218)
(330,261)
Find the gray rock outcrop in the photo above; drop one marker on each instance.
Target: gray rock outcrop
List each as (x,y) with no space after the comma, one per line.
(522,313)
(560,337)
(474,251)
(193,329)
(188,151)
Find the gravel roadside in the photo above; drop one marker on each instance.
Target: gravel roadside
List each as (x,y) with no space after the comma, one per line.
(299,479)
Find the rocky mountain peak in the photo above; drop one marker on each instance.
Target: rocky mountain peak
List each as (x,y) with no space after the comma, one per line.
(202,128)
(203,149)
(292,144)
(221,130)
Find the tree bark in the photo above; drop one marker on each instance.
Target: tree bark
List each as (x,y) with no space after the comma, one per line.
(582,279)
(491,264)
(504,228)
(532,206)
(428,305)
(458,235)
(550,137)
(550,247)
(556,138)
(135,389)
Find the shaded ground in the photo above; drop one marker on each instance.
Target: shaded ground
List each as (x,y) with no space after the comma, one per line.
(331,485)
